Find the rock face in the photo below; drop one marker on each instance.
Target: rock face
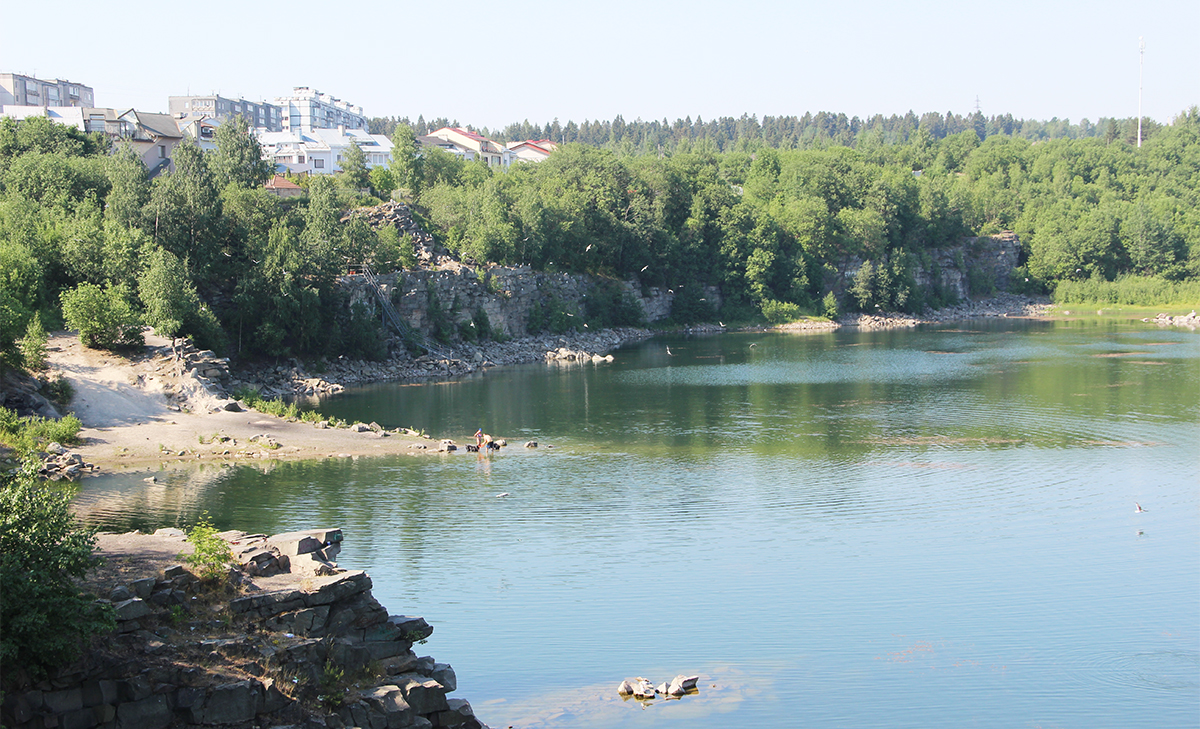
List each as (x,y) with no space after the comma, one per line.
(314,651)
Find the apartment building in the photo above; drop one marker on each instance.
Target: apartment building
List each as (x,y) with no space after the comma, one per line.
(320,151)
(308,109)
(259,114)
(18,90)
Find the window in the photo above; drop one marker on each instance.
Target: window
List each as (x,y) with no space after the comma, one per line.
(162,151)
(319,164)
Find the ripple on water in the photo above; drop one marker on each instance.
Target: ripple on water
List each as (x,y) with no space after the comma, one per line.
(1162,671)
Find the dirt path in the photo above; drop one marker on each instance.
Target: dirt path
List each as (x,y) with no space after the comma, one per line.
(131,420)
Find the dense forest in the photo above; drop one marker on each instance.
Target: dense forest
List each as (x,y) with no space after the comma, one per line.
(747,133)
(773,213)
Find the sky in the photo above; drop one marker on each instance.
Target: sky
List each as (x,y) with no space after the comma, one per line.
(491,64)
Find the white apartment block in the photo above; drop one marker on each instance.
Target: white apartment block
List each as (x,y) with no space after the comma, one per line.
(258,114)
(309,109)
(18,90)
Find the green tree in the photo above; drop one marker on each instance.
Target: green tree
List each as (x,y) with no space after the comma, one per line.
(43,551)
(185,210)
(406,160)
(355,174)
(104,317)
(167,293)
(130,187)
(238,159)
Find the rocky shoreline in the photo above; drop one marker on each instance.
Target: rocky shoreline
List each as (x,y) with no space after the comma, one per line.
(999,306)
(286,638)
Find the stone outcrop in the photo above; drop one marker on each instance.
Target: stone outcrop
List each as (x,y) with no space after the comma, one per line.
(286,649)
(643,689)
(1191,320)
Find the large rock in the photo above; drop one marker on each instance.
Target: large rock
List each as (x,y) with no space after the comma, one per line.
(131,609)
(152,712)
(232,703)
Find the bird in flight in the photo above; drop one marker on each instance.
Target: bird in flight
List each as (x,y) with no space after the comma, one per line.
(1139,509)
(669,353)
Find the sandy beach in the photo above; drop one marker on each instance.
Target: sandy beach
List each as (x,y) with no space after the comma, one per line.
(132,419)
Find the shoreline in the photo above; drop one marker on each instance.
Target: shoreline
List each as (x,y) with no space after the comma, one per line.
(144,413)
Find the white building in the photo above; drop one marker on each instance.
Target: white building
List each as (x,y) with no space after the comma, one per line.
(18,90)
(532,150)
(153,136)
(309,109)
(321,151)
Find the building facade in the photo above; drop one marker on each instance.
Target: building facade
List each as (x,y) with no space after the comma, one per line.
(471,146)
(18,90)
(258,114)
(320,151)
(308,109)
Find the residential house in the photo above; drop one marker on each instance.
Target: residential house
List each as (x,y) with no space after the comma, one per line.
(18,90)
(281,186)
(471,146)
(320,151)
(203,131)
(153,136)
(532,150)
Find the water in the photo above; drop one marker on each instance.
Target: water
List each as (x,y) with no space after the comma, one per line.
(929,528)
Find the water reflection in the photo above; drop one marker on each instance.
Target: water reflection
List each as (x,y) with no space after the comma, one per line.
(915,528)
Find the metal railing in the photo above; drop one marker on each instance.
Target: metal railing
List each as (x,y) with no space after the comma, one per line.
(392,317)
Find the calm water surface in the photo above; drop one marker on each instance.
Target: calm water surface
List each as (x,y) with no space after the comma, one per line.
(929,528)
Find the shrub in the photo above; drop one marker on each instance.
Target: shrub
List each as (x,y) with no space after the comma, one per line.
(105,318)
(830,305)
(780,312)
(33,346)
(212,555)
(43,550)
(30,433)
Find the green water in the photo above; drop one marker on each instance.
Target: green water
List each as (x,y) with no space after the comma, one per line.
(901,529)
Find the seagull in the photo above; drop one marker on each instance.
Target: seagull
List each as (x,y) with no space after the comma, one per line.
(720,323)
(1139,509)
(643,269)
(754,344)
(501,495)
(585,250)
(669,352)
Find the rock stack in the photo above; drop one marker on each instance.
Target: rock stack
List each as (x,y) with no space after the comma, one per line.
(302,643)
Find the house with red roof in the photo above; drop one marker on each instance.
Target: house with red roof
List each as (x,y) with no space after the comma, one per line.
(471,146)
(532,150)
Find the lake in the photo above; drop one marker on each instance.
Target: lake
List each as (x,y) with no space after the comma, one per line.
(914,528)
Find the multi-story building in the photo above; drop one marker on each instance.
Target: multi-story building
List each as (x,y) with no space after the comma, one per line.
(153,136)
(259,114)
(309,109)
(18,90)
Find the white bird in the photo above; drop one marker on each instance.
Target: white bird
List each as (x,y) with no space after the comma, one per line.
(669,352)
(643,269)
(502,495)
(754,344)
(720,323)
(1139,509)
(585,250)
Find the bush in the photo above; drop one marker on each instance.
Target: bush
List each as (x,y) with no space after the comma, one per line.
(780,312)
(105,318)
(212,555)
(43,550)
(610,305)
(1129,291)
(33,346)
(830,306)
(28,434)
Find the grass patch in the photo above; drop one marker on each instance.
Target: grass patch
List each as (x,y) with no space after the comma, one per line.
(32,433)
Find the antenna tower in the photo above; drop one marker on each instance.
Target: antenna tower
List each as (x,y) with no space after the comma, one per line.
(1141,65)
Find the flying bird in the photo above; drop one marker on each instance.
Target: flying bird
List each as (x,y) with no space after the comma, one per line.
(669,353)
(1139,509)
(643,269)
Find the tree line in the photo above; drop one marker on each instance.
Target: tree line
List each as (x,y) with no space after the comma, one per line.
(87,238)
(748,132)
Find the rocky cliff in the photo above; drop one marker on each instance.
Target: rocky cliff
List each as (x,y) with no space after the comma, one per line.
(286,639)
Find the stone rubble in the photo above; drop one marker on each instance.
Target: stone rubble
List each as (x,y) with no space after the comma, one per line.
(643,690)
(264,658)
(1191,320)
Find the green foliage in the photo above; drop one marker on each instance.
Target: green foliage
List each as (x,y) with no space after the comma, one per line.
(689,306)
(829,305)
(31,433)
(33,346)
(610,305)
(780,312)
(355,175)
(105,318)
(331,686)
(238,159)
(43,550)
(1129,291)
(212,554)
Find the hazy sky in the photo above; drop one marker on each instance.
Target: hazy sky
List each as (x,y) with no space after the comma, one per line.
(489,64)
